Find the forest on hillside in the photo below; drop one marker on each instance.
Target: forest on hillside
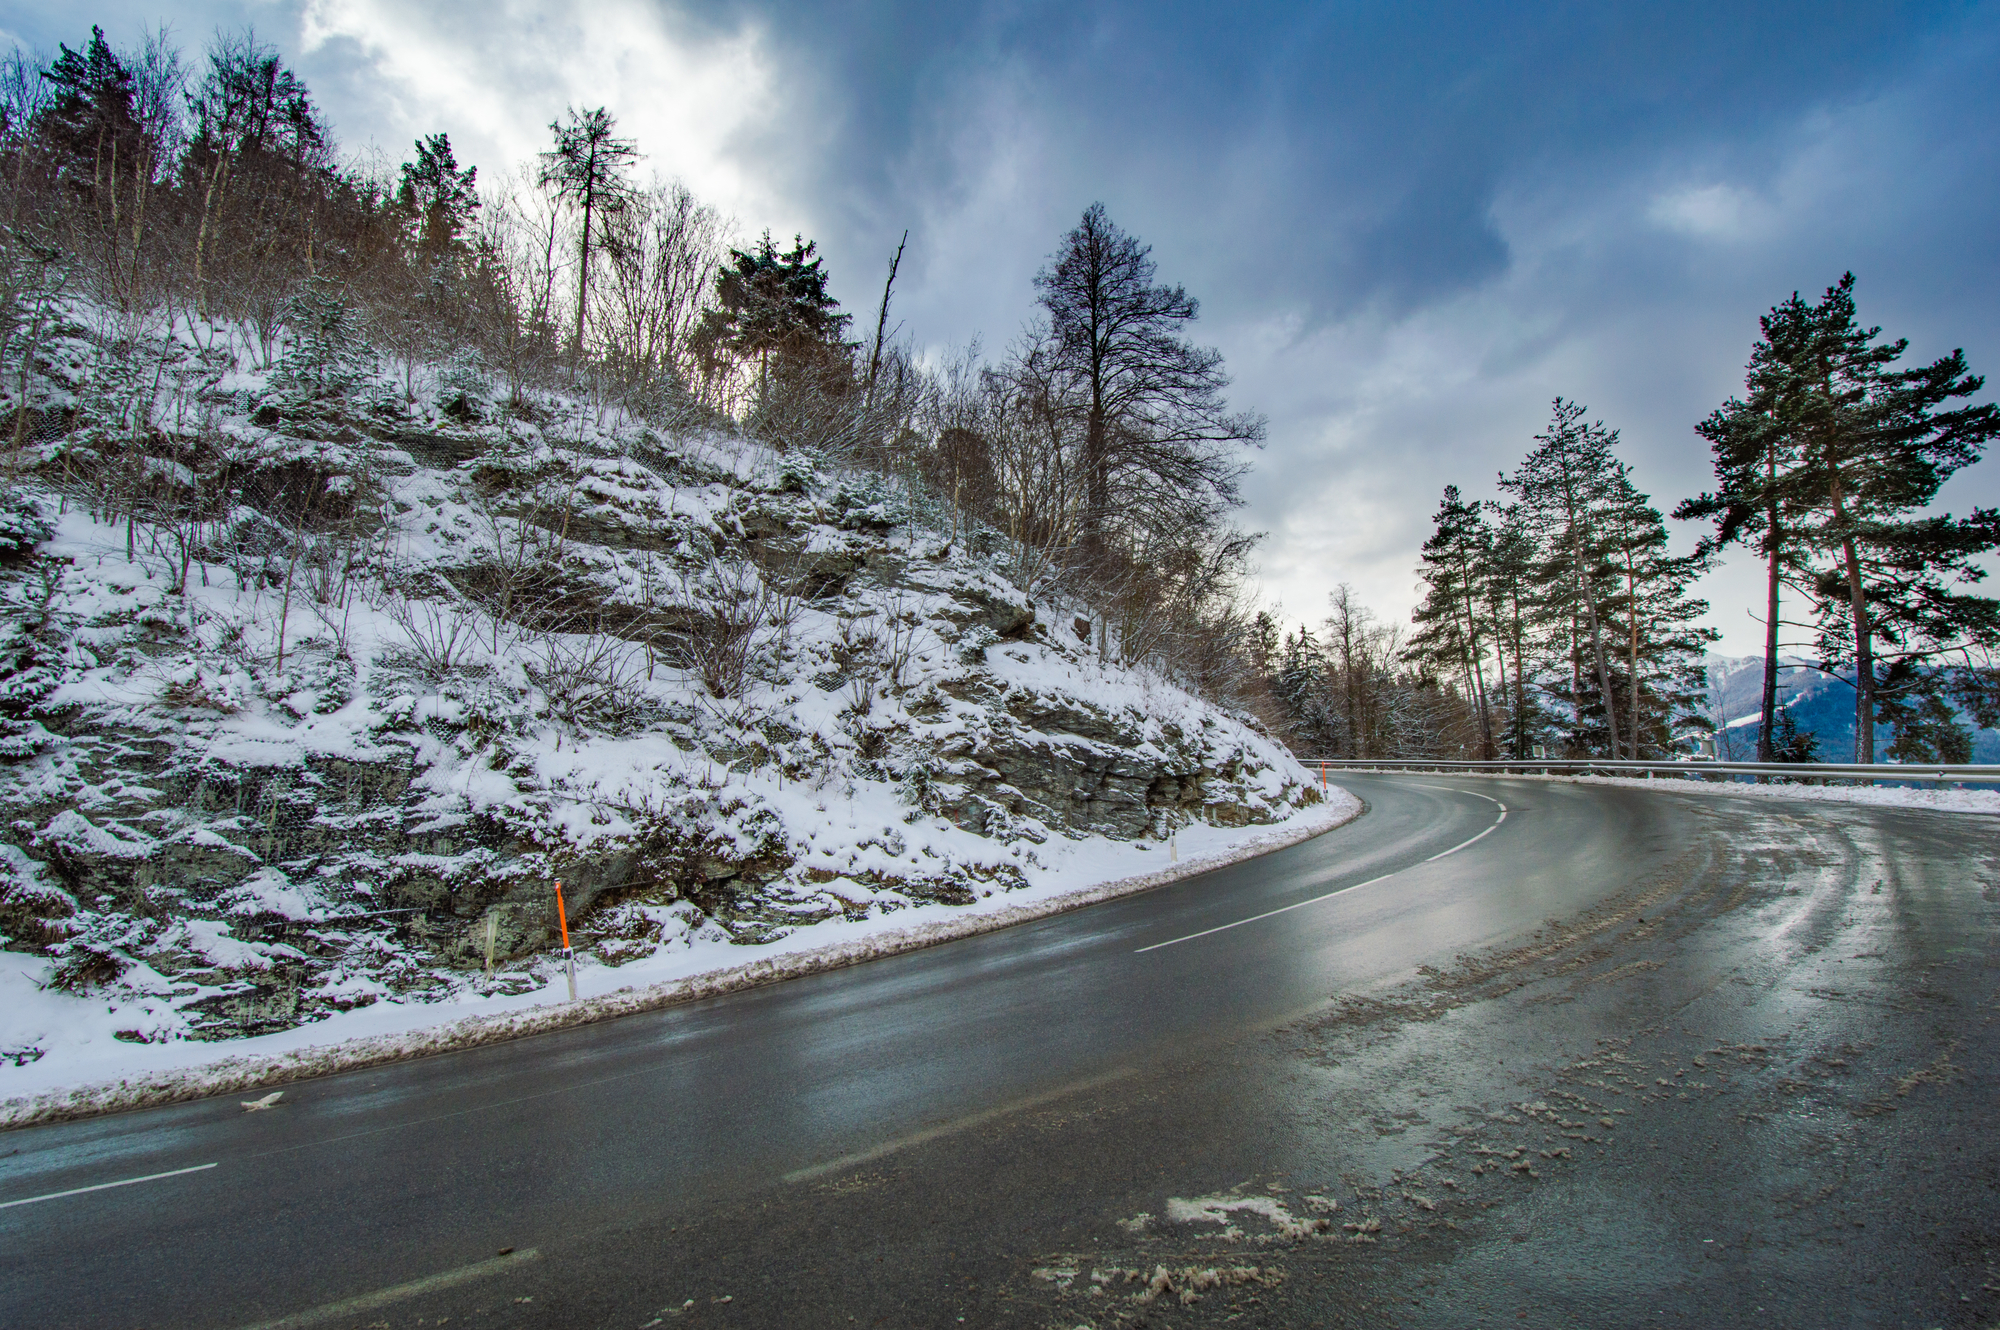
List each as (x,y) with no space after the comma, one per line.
(175,211)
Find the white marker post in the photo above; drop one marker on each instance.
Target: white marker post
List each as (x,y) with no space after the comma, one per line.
(569,954)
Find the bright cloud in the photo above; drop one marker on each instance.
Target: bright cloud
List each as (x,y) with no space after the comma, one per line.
(1722,212)
(693,101)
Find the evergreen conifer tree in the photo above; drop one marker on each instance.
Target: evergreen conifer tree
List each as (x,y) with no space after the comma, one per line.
(1662,645)
(1566,488)
(250,105)
(1301,685)
(1511,559)
(773,307)
(1450,635)
(1875,445)
(440,200)
(587,170)
(90,116)
(1757,454)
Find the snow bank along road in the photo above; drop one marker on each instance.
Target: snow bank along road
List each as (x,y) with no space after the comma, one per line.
(1520,1051)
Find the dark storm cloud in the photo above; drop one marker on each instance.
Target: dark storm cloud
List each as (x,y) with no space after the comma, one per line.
(1381,132)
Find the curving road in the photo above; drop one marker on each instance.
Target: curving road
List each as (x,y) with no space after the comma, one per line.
(907,1141)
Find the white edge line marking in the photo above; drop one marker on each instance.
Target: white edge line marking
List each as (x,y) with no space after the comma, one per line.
(106,1186)
(1300,905)
(368,1302)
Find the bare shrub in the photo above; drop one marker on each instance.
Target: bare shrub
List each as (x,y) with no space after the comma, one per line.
(438,635)
(723,615)
(590,676)
(859,655)
(904,638)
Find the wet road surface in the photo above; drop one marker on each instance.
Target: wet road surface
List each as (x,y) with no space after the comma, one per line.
(1621,1057)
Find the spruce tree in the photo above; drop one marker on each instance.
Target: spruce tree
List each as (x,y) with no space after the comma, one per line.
(1566,488)
(440,200)
(1301,686)
(1450,632)
(90,116)
(774,307)
(1791,744)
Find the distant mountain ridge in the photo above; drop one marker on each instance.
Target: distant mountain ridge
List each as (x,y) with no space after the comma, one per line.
(1820,704)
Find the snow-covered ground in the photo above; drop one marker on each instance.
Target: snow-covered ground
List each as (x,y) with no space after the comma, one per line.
(88,1069)
(314,687)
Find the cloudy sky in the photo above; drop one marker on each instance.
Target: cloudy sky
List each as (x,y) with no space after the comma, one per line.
(1409,225)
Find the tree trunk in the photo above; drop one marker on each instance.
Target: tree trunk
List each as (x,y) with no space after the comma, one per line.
(582,283)
(1576,675)
(1475,674)
(1520,683)
(1864,657)
(1768,714)
(1597,649)
(142,176)
(1864,635)
(1632,704)
(882,319)
(1478,676)
(210,207)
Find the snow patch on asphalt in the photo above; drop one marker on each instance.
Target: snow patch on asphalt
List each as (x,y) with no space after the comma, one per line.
(1225,1209)
(79,1070)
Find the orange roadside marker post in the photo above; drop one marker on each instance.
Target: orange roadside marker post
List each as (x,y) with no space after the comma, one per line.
(1322,778)
(569,955)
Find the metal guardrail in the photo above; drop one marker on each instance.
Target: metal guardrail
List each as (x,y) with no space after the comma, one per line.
(1816,772)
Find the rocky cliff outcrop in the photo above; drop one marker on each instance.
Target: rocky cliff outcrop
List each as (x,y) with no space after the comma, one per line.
(257,774)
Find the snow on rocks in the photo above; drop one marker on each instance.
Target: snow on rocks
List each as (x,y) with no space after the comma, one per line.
(298,800)
(71,1059)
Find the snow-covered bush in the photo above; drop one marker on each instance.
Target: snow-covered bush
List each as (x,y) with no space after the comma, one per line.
(328,355)
(23,524)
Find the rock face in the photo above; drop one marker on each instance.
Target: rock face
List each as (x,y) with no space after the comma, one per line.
(711,690)
(1098,772)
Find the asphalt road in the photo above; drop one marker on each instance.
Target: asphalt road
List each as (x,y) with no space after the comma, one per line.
(1745,1050)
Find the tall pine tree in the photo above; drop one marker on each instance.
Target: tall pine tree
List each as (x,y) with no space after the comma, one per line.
(587,170)
(1661,644)
(1510,593)
(1758,454)
(1451,636)
(1876,444)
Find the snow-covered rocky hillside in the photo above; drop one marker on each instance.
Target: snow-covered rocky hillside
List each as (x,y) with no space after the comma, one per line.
(378,663)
